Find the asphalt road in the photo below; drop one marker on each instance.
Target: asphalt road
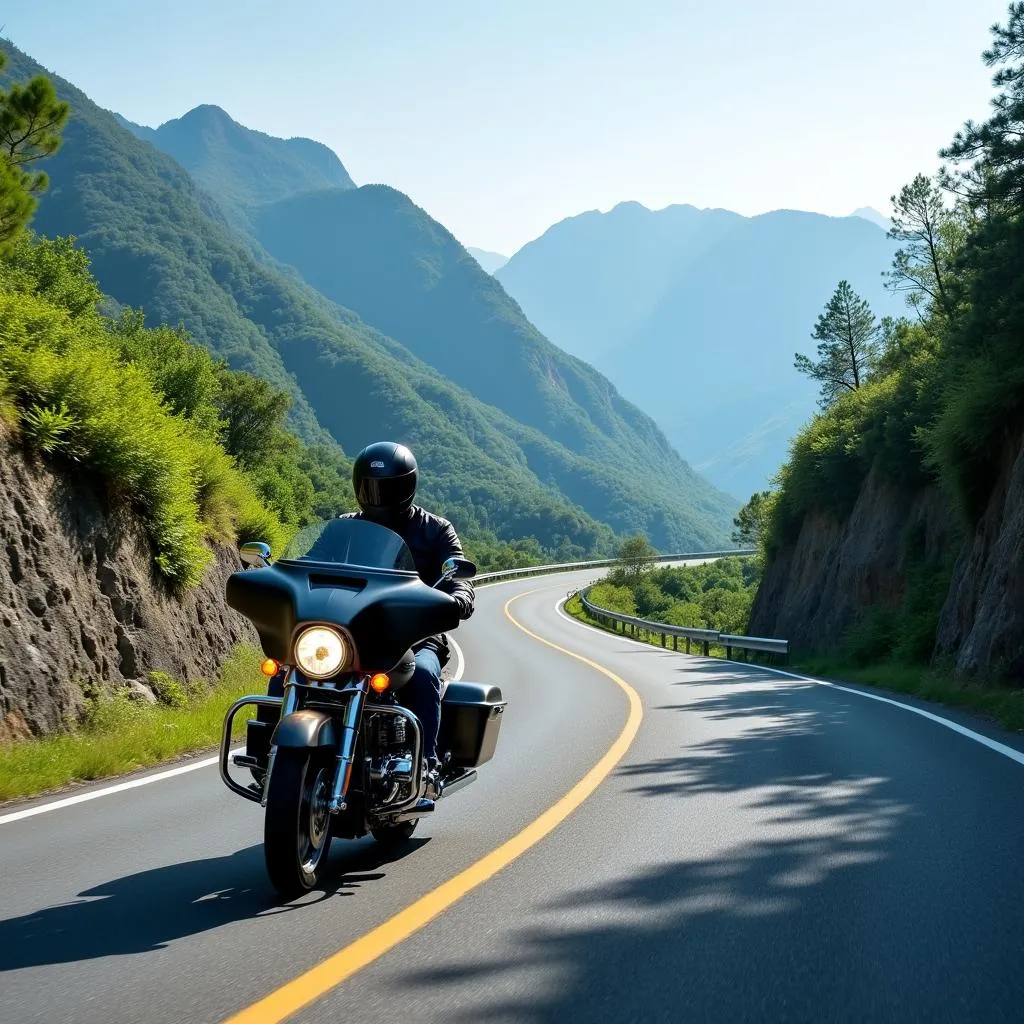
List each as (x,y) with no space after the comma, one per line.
(766,849)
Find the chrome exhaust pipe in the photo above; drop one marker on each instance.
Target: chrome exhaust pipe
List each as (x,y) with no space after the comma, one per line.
(459,782)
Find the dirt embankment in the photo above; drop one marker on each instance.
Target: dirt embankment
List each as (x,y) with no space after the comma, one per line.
(80,604)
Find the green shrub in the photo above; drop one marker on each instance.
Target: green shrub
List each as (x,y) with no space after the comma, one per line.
(48,428)
(168,690)
(717,595)
(873,638)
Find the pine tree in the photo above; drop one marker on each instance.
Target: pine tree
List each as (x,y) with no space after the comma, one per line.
(848,345)
(932,235)
(994,149)
(31,119)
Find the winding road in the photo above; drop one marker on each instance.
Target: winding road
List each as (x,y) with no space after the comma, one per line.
(659,838)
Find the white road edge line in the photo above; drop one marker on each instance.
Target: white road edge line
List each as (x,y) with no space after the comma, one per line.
(170,773)
(95,794)
(1000,748)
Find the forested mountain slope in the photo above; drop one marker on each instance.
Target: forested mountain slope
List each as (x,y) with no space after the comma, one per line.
(374,251)
(159,242)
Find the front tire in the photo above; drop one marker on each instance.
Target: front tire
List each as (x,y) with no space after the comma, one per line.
(297,826)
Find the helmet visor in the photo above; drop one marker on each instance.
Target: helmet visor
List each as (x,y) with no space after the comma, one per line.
(386,493)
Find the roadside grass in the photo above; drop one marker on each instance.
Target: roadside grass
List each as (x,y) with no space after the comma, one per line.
(1001,703)
(120,735)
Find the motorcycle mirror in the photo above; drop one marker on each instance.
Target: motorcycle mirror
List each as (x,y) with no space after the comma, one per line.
(255,553)
(458,569)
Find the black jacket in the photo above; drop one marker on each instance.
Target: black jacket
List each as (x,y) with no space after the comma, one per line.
(431,540)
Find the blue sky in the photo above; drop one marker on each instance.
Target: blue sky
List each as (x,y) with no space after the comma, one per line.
(500,118)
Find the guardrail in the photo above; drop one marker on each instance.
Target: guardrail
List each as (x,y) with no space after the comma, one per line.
(705,637)
(601,563)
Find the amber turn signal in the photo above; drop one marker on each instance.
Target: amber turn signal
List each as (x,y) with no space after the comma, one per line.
(380,682)
(269,667)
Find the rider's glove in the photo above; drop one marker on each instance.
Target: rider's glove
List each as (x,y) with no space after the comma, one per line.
(465,605)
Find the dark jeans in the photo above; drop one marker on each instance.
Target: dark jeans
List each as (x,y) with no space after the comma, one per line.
(421,695)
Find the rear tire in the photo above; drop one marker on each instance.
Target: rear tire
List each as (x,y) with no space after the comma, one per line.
(394,835)
(297,826)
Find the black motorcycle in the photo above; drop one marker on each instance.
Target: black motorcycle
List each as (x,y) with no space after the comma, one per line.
(337,755)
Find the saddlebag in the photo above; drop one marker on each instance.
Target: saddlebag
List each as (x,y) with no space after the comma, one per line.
(470,720)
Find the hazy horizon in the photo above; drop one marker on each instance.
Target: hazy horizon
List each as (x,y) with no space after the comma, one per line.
(503,120)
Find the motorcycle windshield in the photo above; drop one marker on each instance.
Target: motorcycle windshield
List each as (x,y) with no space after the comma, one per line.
(350,542)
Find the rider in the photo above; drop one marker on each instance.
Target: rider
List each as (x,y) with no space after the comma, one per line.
(384,478)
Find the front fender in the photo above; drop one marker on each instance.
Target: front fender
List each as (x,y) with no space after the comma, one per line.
(305,729)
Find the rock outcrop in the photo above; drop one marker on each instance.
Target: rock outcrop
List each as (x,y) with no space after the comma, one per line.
(816,590)
(981,628)
(81,606)
(837,570)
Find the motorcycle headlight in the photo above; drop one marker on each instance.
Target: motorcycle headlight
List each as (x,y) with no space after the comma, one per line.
(320,652)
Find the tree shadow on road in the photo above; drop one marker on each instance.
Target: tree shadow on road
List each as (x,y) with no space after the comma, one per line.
(147,910)
(786,867)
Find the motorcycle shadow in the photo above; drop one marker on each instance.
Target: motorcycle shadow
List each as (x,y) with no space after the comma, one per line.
(148,910)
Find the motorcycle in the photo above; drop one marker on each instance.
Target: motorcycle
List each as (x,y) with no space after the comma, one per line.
(337,755)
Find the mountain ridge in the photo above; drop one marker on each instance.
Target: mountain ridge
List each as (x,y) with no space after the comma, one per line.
(242,166)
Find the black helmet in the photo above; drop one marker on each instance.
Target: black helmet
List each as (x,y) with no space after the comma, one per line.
(384,479)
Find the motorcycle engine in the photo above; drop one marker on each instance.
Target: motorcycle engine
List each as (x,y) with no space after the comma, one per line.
(392,770)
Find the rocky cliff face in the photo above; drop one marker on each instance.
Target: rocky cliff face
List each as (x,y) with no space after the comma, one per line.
(981,628)
(80,605)
(815,591)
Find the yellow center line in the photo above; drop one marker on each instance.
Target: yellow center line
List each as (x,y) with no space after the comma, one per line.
(316,982)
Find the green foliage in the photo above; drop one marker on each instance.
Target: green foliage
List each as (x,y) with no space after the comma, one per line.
(635,557)
(848,347)
(31,119)
(615,597)
(752,522)
(185,374)
(48,429)
(56,271)
(254,413)
(716,595)
(168,690)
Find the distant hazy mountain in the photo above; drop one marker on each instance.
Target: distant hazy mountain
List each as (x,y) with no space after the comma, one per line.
(871,214)
(590,280)
(696,314)
(241,167)
(490,261)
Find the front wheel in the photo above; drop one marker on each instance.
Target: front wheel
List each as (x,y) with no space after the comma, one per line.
(296,830)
